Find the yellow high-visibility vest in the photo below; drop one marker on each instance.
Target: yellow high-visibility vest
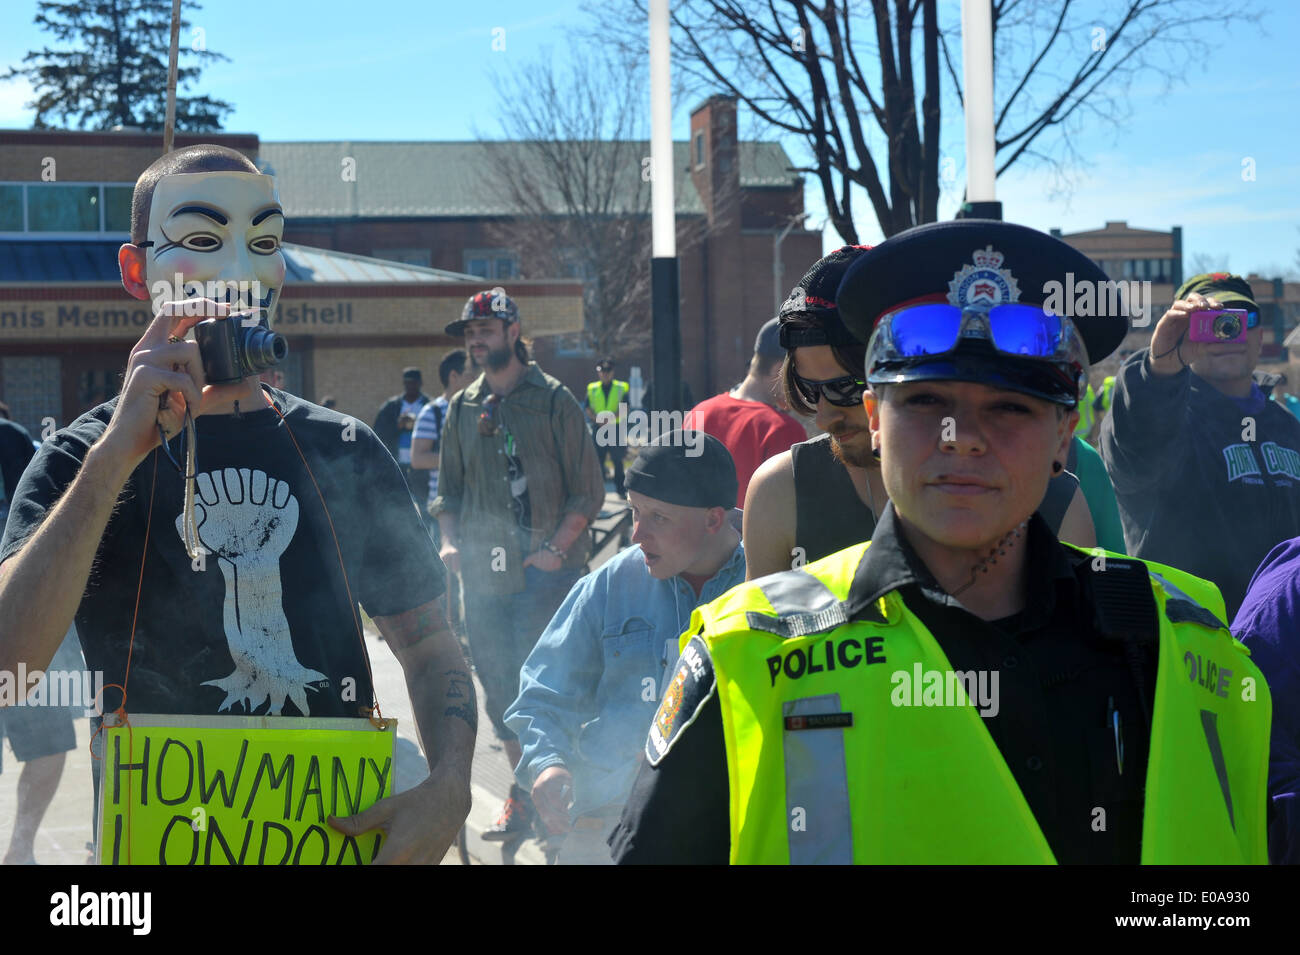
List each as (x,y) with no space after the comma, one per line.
(1087,415)
(599,403)
(927,784)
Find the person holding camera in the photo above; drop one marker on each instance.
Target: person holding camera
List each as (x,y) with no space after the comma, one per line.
(1206,469)
(300,512)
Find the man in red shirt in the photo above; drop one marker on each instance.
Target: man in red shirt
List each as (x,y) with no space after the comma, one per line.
(748,419)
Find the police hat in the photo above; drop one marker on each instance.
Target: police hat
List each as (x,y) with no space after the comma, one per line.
(981,263)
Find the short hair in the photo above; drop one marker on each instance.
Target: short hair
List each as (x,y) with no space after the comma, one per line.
(205,157)
(328,401)
(452,364)
(767,365)
(852,358)
(412,373)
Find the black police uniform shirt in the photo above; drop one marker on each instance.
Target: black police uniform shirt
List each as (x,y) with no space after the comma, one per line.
(262,625)
(1059,674)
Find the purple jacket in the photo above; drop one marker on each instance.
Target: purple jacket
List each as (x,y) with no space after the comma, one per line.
(1269,624)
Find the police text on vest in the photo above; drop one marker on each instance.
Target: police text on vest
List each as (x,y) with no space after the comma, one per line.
(847,653)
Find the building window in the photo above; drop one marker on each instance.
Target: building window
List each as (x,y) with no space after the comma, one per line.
(33,389)
(54,208)
(491,263)
(407,256)
(699,149)
(117,208)
(574,345)
(65,208)
(11,208)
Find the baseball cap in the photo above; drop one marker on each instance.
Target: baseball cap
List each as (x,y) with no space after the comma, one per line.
(980,263)
(1230,291)
(490,303)
(691,469)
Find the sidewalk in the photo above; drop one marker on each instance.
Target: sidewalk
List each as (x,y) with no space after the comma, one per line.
(67,826)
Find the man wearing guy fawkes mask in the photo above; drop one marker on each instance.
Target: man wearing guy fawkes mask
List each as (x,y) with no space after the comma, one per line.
(298,513)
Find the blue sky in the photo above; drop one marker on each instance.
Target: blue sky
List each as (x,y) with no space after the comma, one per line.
(421,69)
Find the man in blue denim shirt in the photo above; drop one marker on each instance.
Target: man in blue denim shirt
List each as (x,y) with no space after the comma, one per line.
(591,685)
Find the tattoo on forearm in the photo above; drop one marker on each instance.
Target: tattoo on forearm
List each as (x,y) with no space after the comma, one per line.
(461,700)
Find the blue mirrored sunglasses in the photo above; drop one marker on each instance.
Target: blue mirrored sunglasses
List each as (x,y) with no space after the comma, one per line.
(1022,330)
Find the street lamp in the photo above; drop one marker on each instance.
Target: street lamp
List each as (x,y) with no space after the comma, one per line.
(778,296)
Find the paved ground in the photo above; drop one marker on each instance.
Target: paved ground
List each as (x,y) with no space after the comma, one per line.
(66,829)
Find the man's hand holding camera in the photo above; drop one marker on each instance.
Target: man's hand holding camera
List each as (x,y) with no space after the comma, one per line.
(161,366)
(1172,349)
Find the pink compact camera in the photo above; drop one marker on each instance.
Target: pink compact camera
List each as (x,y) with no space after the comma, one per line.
(1220,326)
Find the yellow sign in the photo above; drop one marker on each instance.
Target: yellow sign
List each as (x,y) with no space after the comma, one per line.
(194,790)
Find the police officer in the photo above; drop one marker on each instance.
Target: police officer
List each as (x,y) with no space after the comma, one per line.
(963,688)
(605,398)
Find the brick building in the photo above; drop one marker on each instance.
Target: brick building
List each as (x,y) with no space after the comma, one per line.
(431,204)
(66,324)
(1126,253)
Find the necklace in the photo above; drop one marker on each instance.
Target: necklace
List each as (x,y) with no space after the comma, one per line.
(998,550)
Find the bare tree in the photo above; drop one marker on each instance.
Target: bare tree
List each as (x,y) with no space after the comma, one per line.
(1204,262)
(572,166)
(859,82)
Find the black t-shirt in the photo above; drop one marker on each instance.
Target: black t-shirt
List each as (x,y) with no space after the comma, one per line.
(1058,679)
(16,449)
(264,624)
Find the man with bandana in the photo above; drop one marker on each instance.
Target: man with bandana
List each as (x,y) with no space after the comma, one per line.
(301,515)
(963,688)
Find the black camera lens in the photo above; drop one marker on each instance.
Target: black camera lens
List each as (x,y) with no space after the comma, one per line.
(1227,327)
(263,349)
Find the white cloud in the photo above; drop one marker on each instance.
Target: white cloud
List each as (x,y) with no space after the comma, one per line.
(13,94)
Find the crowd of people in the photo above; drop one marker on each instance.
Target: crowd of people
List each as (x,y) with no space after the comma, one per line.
(1089,652)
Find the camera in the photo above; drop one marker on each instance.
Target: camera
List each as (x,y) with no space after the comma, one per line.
(231,351)
(1222,326)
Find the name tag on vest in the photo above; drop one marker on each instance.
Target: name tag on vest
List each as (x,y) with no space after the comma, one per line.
(819,721)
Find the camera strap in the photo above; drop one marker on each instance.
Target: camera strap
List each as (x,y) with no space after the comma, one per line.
(189,526)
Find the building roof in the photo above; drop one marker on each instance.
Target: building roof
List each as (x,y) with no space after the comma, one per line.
(453,179)
(1116,228)
(29,261)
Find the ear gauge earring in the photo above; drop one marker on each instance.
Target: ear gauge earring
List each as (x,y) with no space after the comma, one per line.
(875,452)
(1057,467)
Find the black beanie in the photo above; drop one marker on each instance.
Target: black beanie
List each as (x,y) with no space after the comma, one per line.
(814,298)
(687,468)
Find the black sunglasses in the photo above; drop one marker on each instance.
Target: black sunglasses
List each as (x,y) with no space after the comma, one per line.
(843,392)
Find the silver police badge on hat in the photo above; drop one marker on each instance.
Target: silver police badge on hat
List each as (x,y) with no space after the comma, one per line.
(983,284)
